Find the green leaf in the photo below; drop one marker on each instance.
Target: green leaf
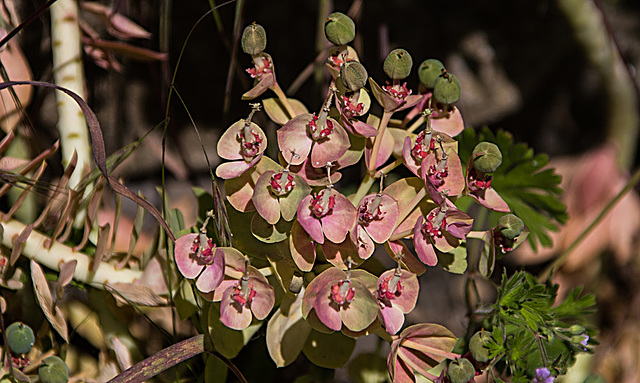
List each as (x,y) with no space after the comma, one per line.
(454,261)
(229,342)
(268,233)
(530,189)
(368,368)
(328,350)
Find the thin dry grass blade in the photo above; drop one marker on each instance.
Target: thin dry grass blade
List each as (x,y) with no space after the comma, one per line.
(104,235)
(18,244)
(25,192)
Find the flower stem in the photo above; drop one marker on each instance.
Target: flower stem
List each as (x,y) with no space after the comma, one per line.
(382,127)
(363,189)
(563,257)
(283,99)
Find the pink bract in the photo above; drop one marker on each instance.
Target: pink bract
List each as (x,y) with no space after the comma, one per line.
(331,143)
(479,187)
(338,299)
(377,218)
(397,293)
(443,228)
(197,257)
(327,214)
(394,98)
(279,194)
(442,175)
(242,143)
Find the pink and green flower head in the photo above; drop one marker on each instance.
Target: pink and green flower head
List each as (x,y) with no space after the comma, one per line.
(377,218)
(245,297)
(338,299)
(278,194)
(397,294)
(327,214)
(442,228)
(338,55)
(320,137)
(198,258)
(262,73)
(395,96)
(419,348)
(243,143)
(479,187)
(352,105)
(441,172)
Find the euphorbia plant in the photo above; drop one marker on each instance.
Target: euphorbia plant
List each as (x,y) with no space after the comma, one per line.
(319,245)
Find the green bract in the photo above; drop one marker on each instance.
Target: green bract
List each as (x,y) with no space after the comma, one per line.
(510,226)
(446,89)
(354,75)
(478,346)
(461,371)
(20,337)
(486,157)
(53,370)
(398,64)
(429,71)
(339,28)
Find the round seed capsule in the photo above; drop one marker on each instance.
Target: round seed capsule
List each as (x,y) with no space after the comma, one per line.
(478,346)
(486,157)
(461,371)
(53,370)
(20,337)
(254,39)
(429,71)
(446,89)
(353,75)
(339,28)
(510,226)
(398,64)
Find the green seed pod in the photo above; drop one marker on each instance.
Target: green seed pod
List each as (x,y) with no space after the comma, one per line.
(486,157)
(254,39)
(353,75)
(339,29)
(429,71)
(446,89)
(20,337)
(461,371)
(576,329)
(478,346)
(510,226)
(53,370)
(398,64)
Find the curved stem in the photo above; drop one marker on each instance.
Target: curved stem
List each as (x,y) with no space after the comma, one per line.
(563,257)
(283,99)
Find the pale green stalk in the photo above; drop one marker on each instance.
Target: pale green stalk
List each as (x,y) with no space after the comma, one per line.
(35,248)
(69,73)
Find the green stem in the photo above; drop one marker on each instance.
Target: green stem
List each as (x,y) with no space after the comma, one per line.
(283,99)
(416,124)
(373,159)
(563,257)
(363,189)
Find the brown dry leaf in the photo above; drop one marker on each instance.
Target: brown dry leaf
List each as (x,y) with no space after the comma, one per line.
(66,275)
(590,182)
(18,243)
(117,25)
(123,355)
(125,293)
(45,301)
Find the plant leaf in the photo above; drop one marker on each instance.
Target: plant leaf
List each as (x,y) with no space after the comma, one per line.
(531,191)
(43,296)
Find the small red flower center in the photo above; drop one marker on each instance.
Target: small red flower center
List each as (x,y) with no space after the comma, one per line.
(243,292)
(320,127)
(349,110)
(435,220)
(503,243)
(202,249)
(424,144)
(342,292)
(322,203)
(20,361)
(260,69)
(437,174)
(399,92)
(250,142)
(478,181)
(390,288)
(371,209)
(336,61)
(282,184)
